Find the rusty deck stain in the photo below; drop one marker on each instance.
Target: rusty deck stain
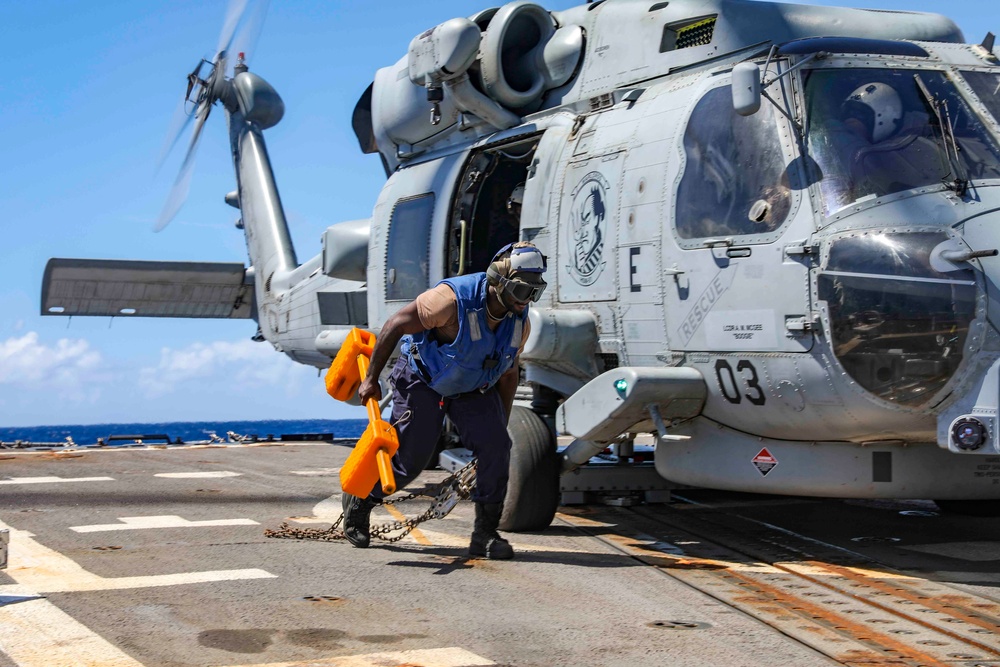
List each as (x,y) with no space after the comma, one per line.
(858,616)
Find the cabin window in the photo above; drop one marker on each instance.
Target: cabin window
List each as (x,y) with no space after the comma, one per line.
(407,257)
(873,132)
(734,181)
(986,85)
(343,308)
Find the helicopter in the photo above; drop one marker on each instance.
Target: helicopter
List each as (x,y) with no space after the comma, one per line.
(769,227)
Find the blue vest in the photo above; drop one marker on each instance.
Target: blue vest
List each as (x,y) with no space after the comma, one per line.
(477,357)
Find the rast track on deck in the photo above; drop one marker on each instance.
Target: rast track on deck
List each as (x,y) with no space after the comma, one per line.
(851,608)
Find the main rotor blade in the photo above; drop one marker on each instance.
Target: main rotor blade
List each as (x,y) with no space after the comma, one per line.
(234,15)
(179,122)
(246,37)
(179,191)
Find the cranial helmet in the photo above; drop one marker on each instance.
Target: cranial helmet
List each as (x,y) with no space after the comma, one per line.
(516,270)
(878,106)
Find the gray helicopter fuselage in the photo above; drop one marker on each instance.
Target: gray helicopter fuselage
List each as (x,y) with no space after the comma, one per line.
(816,312)
(645,207)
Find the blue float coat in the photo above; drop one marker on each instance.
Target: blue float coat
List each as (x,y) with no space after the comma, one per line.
(478,356)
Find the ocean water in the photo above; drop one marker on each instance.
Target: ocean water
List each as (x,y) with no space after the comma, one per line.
(88,434)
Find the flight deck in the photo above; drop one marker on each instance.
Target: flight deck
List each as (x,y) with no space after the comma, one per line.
(157,557)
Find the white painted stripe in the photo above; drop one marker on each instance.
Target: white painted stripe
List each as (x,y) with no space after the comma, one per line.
(164,521)
(435,657)
(94,450)
(38,569)
(53,480)
(197,475)
(36,633)
(327,510)
(317,472)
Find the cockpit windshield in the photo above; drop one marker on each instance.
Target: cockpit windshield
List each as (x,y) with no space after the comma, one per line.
(875,132)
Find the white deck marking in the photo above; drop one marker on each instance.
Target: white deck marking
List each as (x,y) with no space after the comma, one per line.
(434,657)
(325,511)
(197,475)
(36,633)
(38,569)
(53,480)
(164,521)
(319,472)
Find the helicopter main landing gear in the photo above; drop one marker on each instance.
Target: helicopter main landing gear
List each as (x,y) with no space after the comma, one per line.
(533,488)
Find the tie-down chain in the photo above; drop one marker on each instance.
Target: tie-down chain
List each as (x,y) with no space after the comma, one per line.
(457,486)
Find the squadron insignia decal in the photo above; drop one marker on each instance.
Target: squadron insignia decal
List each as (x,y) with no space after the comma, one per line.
(588,228)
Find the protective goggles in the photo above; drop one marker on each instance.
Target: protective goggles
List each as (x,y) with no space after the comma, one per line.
(520,291)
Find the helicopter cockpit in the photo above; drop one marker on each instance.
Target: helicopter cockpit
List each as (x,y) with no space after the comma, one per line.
(899,314)
(877,132)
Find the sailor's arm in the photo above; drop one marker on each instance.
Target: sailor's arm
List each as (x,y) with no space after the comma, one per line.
(404,321)
(507,386)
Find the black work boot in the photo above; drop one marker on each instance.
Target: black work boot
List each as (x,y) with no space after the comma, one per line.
(357,526)
(486,541)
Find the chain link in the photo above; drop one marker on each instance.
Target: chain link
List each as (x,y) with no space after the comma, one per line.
(445,496)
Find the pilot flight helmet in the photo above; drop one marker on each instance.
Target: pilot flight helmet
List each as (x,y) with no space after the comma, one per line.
(516,270)
(878,106)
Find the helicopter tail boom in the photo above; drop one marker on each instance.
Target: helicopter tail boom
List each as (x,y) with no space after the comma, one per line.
(268,241)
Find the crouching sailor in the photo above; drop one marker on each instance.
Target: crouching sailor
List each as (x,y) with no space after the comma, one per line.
(460,346)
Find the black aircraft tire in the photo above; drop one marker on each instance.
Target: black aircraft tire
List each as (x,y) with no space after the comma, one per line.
(981,508)
(533,488)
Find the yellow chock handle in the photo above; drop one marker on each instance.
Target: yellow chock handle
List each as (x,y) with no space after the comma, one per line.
(370,462)
(382,457)
(385,473)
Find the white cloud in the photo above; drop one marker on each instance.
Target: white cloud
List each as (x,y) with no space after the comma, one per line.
(243,363)
(66,366)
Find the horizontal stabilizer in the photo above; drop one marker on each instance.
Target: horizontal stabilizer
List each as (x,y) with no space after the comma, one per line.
(133,288)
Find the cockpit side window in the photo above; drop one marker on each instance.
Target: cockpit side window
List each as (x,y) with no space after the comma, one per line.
(734,182)
(986,85)
(407,261)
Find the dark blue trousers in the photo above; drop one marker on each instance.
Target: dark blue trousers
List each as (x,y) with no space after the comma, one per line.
(478,416)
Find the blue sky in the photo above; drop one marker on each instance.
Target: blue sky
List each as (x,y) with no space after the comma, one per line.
(86,99)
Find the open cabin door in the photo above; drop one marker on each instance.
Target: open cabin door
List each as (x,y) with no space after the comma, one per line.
(486,210)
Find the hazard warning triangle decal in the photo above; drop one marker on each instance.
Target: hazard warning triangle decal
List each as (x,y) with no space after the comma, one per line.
(765,462)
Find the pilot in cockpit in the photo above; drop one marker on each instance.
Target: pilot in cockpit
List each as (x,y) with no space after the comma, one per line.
(873,112)
(883,142)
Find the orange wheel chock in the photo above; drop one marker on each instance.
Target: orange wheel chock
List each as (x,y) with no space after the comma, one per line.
(370,462)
